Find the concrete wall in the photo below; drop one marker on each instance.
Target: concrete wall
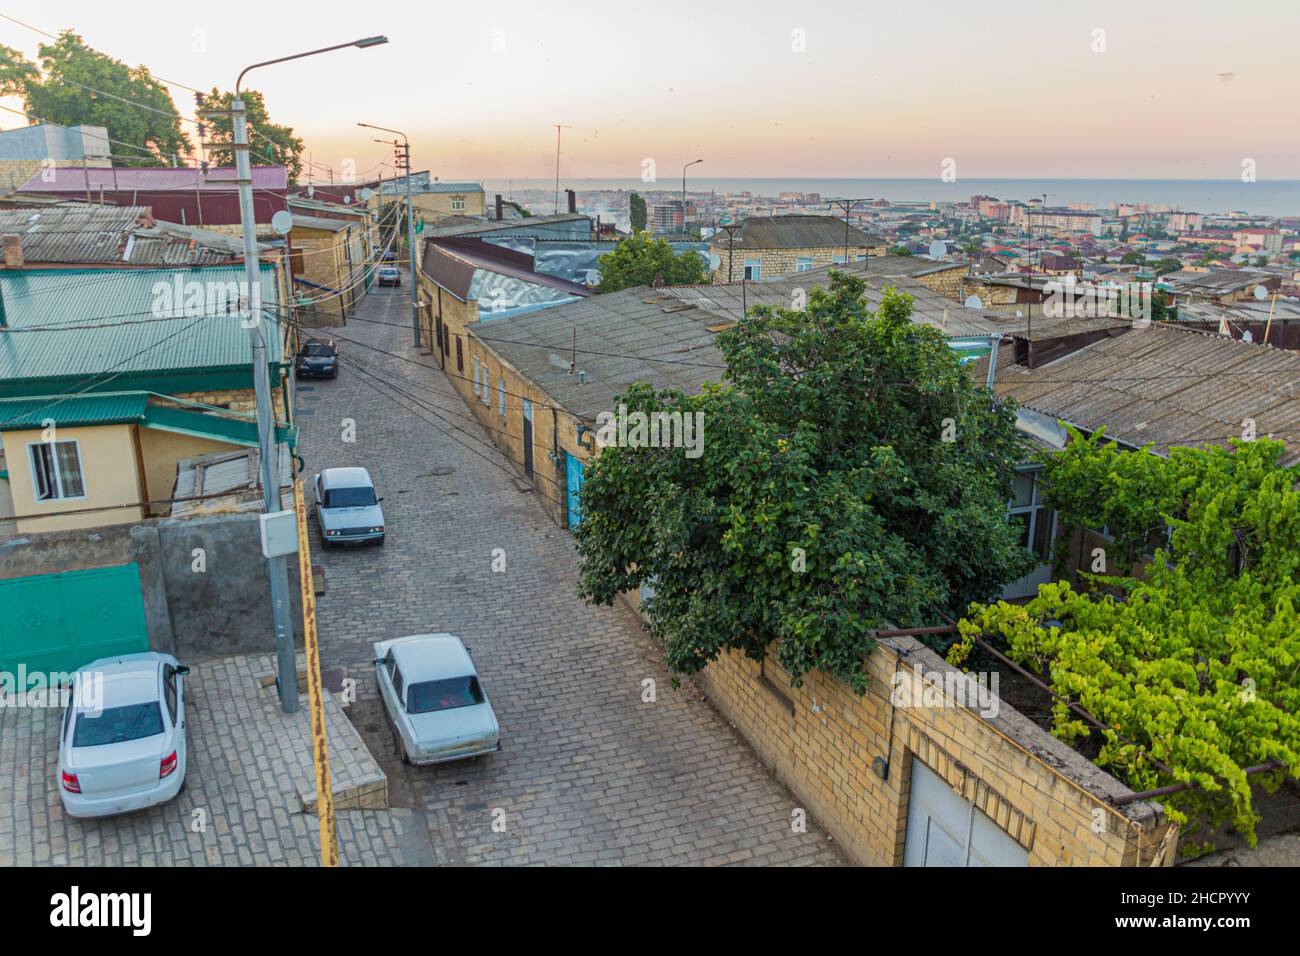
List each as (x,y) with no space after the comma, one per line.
(821,740)
(195,614)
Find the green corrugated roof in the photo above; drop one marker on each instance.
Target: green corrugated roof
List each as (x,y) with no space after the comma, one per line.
(117,300)
(24,413)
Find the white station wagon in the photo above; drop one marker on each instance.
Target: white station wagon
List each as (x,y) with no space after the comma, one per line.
(122,743)
(438,708)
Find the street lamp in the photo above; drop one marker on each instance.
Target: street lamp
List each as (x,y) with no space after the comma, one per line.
(267,446)
(410,228)
(684,168)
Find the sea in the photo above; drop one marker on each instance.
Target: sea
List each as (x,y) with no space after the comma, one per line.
(1276,197)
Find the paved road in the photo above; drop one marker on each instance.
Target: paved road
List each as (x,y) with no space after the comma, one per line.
(589,774)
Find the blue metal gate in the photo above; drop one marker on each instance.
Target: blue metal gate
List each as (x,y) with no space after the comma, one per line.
(573,468)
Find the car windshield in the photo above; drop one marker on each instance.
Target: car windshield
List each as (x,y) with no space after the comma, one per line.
(349,497)
(434,695)
(114,725)
(317,348)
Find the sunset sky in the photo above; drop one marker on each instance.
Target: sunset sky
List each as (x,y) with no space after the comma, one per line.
(1182,90)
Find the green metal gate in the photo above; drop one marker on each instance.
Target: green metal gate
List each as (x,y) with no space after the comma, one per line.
(58,622)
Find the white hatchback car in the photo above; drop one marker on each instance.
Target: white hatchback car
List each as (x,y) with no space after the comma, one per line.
(122,745)
(434,700)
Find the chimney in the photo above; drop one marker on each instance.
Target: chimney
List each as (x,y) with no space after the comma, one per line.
(573,200)
(13,246)
(500,209)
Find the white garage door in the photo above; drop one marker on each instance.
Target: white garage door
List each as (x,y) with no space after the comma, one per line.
(944,829)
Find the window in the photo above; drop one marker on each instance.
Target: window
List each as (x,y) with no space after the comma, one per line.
(803,264)
(458,204)
(501,397)
(1037,522)
(460,357)
(486,394)
(838,259)
(115,725)
(56,470)
(753,270)
(169,690)
(475,374)
(430,696)
(360,497)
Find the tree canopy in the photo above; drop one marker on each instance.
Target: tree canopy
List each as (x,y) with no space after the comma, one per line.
(79,85)
(640,260)
(1194,663)
(276,146)
(637,211)
(852,476)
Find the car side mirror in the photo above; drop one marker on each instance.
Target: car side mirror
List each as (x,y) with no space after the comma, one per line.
(377,500)
(378,661)
(183,670)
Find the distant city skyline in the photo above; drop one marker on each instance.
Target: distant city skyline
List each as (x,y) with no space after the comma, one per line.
(1159,90)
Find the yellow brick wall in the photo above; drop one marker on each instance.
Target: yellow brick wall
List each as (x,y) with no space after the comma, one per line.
(780,262)
(825,748)
(947,283)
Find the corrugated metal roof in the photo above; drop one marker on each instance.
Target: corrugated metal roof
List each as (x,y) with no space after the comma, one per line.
(793,232)
(1166,386)
(73,178)
(16,414)
(131,330)
(630,329)
(452,188)
(91,233)
(468,226)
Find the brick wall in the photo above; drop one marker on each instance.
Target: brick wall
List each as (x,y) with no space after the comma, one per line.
(948,282)
(821,741)
(779,262)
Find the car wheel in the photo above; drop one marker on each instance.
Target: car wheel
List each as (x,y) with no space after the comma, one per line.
(397,742)
(380,542)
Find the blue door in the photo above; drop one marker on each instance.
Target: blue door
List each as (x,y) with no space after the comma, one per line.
(573,468)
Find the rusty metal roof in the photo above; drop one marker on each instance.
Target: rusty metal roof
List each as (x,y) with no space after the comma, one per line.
(1165,386)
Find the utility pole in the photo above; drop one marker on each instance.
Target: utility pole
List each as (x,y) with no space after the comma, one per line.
(404,162)
(731,229)
(558,127)
(267,445)
(684,168)
(848,205)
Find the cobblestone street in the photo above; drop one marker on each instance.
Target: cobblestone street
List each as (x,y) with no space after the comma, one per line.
(588,774)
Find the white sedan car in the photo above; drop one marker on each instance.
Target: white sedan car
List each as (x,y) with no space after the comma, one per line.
(434,700)
(122,745)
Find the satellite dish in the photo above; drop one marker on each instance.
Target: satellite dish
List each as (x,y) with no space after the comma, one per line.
(973,302)
(1261,293)
(282,222)
(938,249)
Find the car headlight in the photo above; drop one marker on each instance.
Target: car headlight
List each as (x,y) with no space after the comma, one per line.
(377,530)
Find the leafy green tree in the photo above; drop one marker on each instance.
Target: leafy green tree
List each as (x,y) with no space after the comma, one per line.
(852,477)
(1261,261)
(1133,259)
(637,208)
(639,260)
(272,144)
(900,251)
(1192,667)
(1166,266)
(131,104)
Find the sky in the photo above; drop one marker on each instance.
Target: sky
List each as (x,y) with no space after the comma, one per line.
(1133,89)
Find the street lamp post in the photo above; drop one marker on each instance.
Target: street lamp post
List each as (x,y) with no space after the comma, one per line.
(684,168)
(410,229)
(268,447)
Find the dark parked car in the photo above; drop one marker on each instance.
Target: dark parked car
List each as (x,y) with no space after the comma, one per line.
(389,276)
(318,359)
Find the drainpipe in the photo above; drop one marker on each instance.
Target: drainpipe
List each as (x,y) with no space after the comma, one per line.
(995,342)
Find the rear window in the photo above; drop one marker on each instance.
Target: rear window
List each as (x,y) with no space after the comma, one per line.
(317,348)
(115,725)
(448,694)
(349,497)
